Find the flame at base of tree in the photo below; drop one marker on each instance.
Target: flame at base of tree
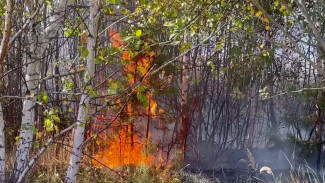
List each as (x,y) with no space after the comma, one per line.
(125,149)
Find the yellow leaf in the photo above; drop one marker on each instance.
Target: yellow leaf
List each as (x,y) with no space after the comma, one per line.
(161,111)
(266,54)
(233,29)
(262,46)
(32,95)
(81,67)
(70,110)
(283,7)
(252,12)
(267,27)
(39,135)
(232,64)
(84,38)
(276,3)
(265,20)
(152,53)
(259,13)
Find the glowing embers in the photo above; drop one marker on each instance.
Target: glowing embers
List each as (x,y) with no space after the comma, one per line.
(124,149)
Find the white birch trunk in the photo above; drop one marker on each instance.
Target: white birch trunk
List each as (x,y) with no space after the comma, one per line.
(184,100)
(28,115)
(26,133)
(3,52)
(27,124)
(32,76)
(84,101)
(2,147)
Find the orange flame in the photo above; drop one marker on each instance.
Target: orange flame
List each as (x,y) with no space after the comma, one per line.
(127,148)
(151,109)
(123,150)
(115,39)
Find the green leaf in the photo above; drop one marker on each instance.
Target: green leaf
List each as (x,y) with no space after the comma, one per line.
(143,99)
(85,53)
(36,144)
(48,125)
(223,3)
(68,32)
(220,45)
(56,118)
(144,2)
(45,97)
(92,92)
(141,88)
(128,38)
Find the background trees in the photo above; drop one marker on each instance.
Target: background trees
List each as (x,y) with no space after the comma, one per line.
(190,76)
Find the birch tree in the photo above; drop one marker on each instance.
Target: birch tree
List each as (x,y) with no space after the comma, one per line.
(184,100)
(84,101)
(3,52)
(31,77)
(38,40)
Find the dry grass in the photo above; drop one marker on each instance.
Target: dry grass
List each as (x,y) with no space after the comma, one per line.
(52,167)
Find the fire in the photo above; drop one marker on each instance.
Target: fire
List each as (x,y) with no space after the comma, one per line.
(139,64)
(151,109)
(115,39)
(124,149)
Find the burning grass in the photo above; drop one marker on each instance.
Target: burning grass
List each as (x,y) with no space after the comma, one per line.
(53,169)
(123,150)
(52,166)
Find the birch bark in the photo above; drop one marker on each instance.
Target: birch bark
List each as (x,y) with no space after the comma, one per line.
(84,101)
(2,148)
(38,41)
(28,115)
(184,107)
(3,52)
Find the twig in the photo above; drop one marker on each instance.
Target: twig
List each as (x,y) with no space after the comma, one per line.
(296,91)
(25,26)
